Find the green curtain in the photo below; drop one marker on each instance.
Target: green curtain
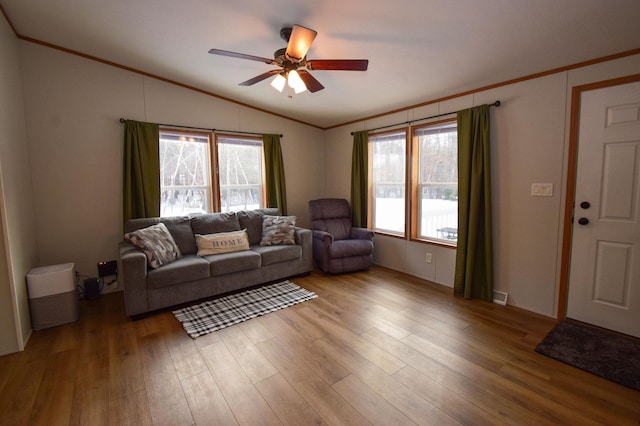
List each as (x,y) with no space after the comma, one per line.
(474,255)
(274,173)
(141,171)
(359,179)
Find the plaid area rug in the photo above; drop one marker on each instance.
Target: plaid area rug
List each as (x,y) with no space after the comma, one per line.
(217,314)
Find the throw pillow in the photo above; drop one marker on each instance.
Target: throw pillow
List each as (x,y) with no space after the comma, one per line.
(222,242)
(278,230)
(251,220)
(157,244)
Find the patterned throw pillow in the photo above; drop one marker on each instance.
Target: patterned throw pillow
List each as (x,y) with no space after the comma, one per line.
(222,242)
(278,230)
(157,244)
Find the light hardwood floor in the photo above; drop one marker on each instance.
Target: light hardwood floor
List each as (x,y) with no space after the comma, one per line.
(376,347)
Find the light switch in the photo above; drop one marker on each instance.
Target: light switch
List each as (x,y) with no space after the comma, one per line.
(542,189)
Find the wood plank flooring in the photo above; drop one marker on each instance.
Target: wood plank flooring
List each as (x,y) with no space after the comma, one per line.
(377,347)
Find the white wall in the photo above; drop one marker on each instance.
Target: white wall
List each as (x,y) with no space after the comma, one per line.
(72,152)
(18,251)
(73,106)
(529,145)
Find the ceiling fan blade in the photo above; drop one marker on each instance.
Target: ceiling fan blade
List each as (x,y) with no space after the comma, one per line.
(310,81)
(259,78)
(338,64)
(242,56)
(299,42)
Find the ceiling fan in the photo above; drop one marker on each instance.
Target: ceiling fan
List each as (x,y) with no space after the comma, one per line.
(293,65)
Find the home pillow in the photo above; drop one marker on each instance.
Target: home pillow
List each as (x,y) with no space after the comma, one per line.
(157,244)
(222,242)
(278,230)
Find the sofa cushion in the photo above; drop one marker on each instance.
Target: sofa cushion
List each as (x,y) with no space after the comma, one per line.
(227,263)
(277,254)
(251,220)
(210,223)
(179,227)
(278,230)
(222,242)
(189,268)
(157,243)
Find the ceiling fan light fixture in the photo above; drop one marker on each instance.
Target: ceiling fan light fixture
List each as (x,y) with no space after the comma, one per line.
(279,82)
(295,82)
(299,43)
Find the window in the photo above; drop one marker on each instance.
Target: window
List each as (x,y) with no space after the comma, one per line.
(185,173)
(420,187)
(388,182)
(240,173)
(435,182)
(188,183)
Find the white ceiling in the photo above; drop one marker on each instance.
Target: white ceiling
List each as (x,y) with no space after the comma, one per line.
(418,50)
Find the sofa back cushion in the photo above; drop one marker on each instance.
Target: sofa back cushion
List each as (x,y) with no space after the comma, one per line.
(251,220)
(179,228)
(211,223)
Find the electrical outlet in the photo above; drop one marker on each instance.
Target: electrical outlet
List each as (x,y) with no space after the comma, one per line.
(428,257)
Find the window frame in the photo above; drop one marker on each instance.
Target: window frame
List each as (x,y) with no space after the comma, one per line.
(371,189)
(415,208)
(199,134)
(214,203)
(254,139)
(412,199)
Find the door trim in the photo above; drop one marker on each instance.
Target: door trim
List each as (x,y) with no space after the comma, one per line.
(572,160)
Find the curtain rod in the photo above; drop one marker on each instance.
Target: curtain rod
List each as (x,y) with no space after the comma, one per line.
(122,120)
(496,104)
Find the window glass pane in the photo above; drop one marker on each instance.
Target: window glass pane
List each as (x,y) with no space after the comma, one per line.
(240,173)
(184,174)
(438,182)
(388,182)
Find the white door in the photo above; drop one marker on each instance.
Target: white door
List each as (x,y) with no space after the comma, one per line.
(604,281)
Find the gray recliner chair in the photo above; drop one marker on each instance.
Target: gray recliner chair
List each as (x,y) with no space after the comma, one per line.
(338,247)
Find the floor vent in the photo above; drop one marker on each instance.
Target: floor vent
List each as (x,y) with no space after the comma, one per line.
(500,297)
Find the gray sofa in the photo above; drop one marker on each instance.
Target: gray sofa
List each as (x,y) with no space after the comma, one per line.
(194,277)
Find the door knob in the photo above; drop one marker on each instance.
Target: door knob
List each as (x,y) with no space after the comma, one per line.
(585,205)
(583,221)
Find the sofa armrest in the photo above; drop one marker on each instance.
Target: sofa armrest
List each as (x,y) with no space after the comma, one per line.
(304,238)
(133,273)
(361,233)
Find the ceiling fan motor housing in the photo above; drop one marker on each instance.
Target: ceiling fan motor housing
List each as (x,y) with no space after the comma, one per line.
(285,33)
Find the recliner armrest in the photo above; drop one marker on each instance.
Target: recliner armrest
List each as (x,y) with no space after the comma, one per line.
(323,236)
(361,233)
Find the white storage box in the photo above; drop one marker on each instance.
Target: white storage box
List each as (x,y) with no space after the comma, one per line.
(53,297)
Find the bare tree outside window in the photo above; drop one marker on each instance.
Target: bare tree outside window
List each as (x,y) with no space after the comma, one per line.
(240,173)
(438,181)
(188,184)
(185,176)
(388,181)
